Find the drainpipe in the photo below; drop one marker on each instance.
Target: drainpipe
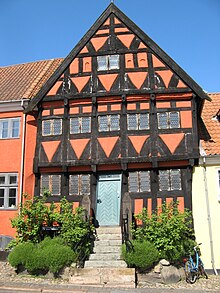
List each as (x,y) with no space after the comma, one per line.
(22,154)
(209,216)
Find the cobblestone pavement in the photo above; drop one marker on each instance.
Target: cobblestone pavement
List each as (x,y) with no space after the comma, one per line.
(10,282)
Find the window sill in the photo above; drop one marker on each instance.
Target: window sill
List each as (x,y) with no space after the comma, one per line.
(8,209)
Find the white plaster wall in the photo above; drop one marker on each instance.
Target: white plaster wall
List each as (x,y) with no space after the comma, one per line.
(200,213)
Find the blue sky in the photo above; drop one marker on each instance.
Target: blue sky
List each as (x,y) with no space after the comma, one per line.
(187,30)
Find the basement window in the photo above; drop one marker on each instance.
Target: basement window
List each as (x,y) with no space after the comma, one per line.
(51,183)
(52,127)
(108,62)
(79,184)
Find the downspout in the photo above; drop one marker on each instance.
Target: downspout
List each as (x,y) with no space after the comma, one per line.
(22,155)
(208,215)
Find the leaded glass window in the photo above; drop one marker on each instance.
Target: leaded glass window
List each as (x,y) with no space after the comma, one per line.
(109,123)
(74,125)
(108,62)
(174,120)
(164,183)
(103,123)
(139,181)
(133,182)
(138,121)
(114,122)
(79,184)
(162,120)
(132,121)
(52,127)
(51,183)
(143,121)
(144,179)
(73,185)
(175,178)
(170,179)
(168,120)
(113,62)
(102,62)
(57,126)
(85,124)
(80,125)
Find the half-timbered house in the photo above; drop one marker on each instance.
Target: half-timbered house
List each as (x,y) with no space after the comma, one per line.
(117,124)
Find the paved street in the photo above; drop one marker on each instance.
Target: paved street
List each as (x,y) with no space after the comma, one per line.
(64,288)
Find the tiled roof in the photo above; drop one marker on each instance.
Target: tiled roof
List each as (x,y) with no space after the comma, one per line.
(23,81)
(209,112)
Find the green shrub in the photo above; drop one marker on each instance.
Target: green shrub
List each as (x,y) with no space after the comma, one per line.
(58,256)
(50,255)
(20,254)
(143,255)
(169,229)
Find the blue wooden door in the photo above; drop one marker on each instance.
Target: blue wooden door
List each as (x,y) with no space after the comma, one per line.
(108,199)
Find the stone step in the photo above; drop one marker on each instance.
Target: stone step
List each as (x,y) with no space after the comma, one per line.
(106,249)
(105,256)
(108,230)
(109,237)
(107,243)
(105,264)
(104,277)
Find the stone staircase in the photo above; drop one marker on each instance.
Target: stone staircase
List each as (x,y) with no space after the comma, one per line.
(105,268)
(107,249)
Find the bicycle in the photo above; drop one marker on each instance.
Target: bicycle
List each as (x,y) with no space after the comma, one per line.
(194,269)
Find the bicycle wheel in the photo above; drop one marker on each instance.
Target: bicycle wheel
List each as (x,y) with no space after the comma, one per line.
(190,275)
(202,271)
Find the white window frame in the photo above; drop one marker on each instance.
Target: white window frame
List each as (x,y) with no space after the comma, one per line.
(169,126)
(10,127)
(50,187)
(6,187)
(107,65)
(51,127)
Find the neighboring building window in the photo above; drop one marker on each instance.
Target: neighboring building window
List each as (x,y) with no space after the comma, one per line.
(80,125)
(138,121)
(139,181)
(79,184)
(8,190)
(109,62)
(9,128)
(168,120)
(51,183)
(170,179)
(109,123)
(52,127)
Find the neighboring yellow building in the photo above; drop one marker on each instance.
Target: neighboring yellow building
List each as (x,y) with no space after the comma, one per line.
(206,188)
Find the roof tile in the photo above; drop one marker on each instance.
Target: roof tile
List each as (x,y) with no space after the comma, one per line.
(210,109)
(23,81)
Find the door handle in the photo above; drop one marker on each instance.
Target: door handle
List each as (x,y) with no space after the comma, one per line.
(99,200)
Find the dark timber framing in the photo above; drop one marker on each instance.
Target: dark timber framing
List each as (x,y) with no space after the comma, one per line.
(155,154)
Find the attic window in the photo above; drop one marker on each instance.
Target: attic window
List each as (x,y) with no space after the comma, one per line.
(108,62)
(217,116)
